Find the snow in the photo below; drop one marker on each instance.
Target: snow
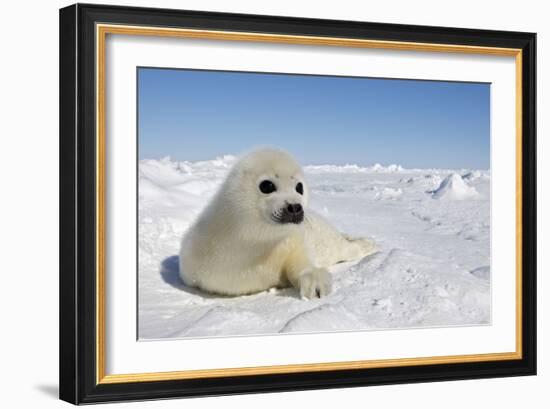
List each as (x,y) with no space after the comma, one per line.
(433,267)
(353,168)
(454,187)
(388,193)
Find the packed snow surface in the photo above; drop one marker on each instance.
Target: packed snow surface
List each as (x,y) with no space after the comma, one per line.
(454,187)
(433,267)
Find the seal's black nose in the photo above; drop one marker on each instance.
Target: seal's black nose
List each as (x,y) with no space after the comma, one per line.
(294,208)
(292,213)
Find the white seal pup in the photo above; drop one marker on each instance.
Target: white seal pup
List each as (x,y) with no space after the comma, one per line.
(257,233)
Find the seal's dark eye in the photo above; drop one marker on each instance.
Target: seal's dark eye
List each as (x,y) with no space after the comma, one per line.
(267,187)
(300,188)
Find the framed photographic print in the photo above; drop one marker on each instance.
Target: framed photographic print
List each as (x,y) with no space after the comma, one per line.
(257,203)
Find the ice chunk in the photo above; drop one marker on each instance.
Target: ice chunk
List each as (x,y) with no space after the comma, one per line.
(453,187)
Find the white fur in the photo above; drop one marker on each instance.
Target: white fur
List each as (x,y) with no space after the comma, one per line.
(236,247)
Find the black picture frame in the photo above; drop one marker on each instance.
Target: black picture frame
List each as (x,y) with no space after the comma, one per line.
(78,235)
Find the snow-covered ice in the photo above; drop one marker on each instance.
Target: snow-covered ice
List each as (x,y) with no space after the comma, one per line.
(433,267)
(454,187)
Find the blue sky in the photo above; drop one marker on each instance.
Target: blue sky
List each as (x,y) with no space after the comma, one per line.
(196,115)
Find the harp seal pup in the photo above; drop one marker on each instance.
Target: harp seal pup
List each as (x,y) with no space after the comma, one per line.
(257,233)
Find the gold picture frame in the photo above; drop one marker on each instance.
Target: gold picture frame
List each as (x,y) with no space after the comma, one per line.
(97,23)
